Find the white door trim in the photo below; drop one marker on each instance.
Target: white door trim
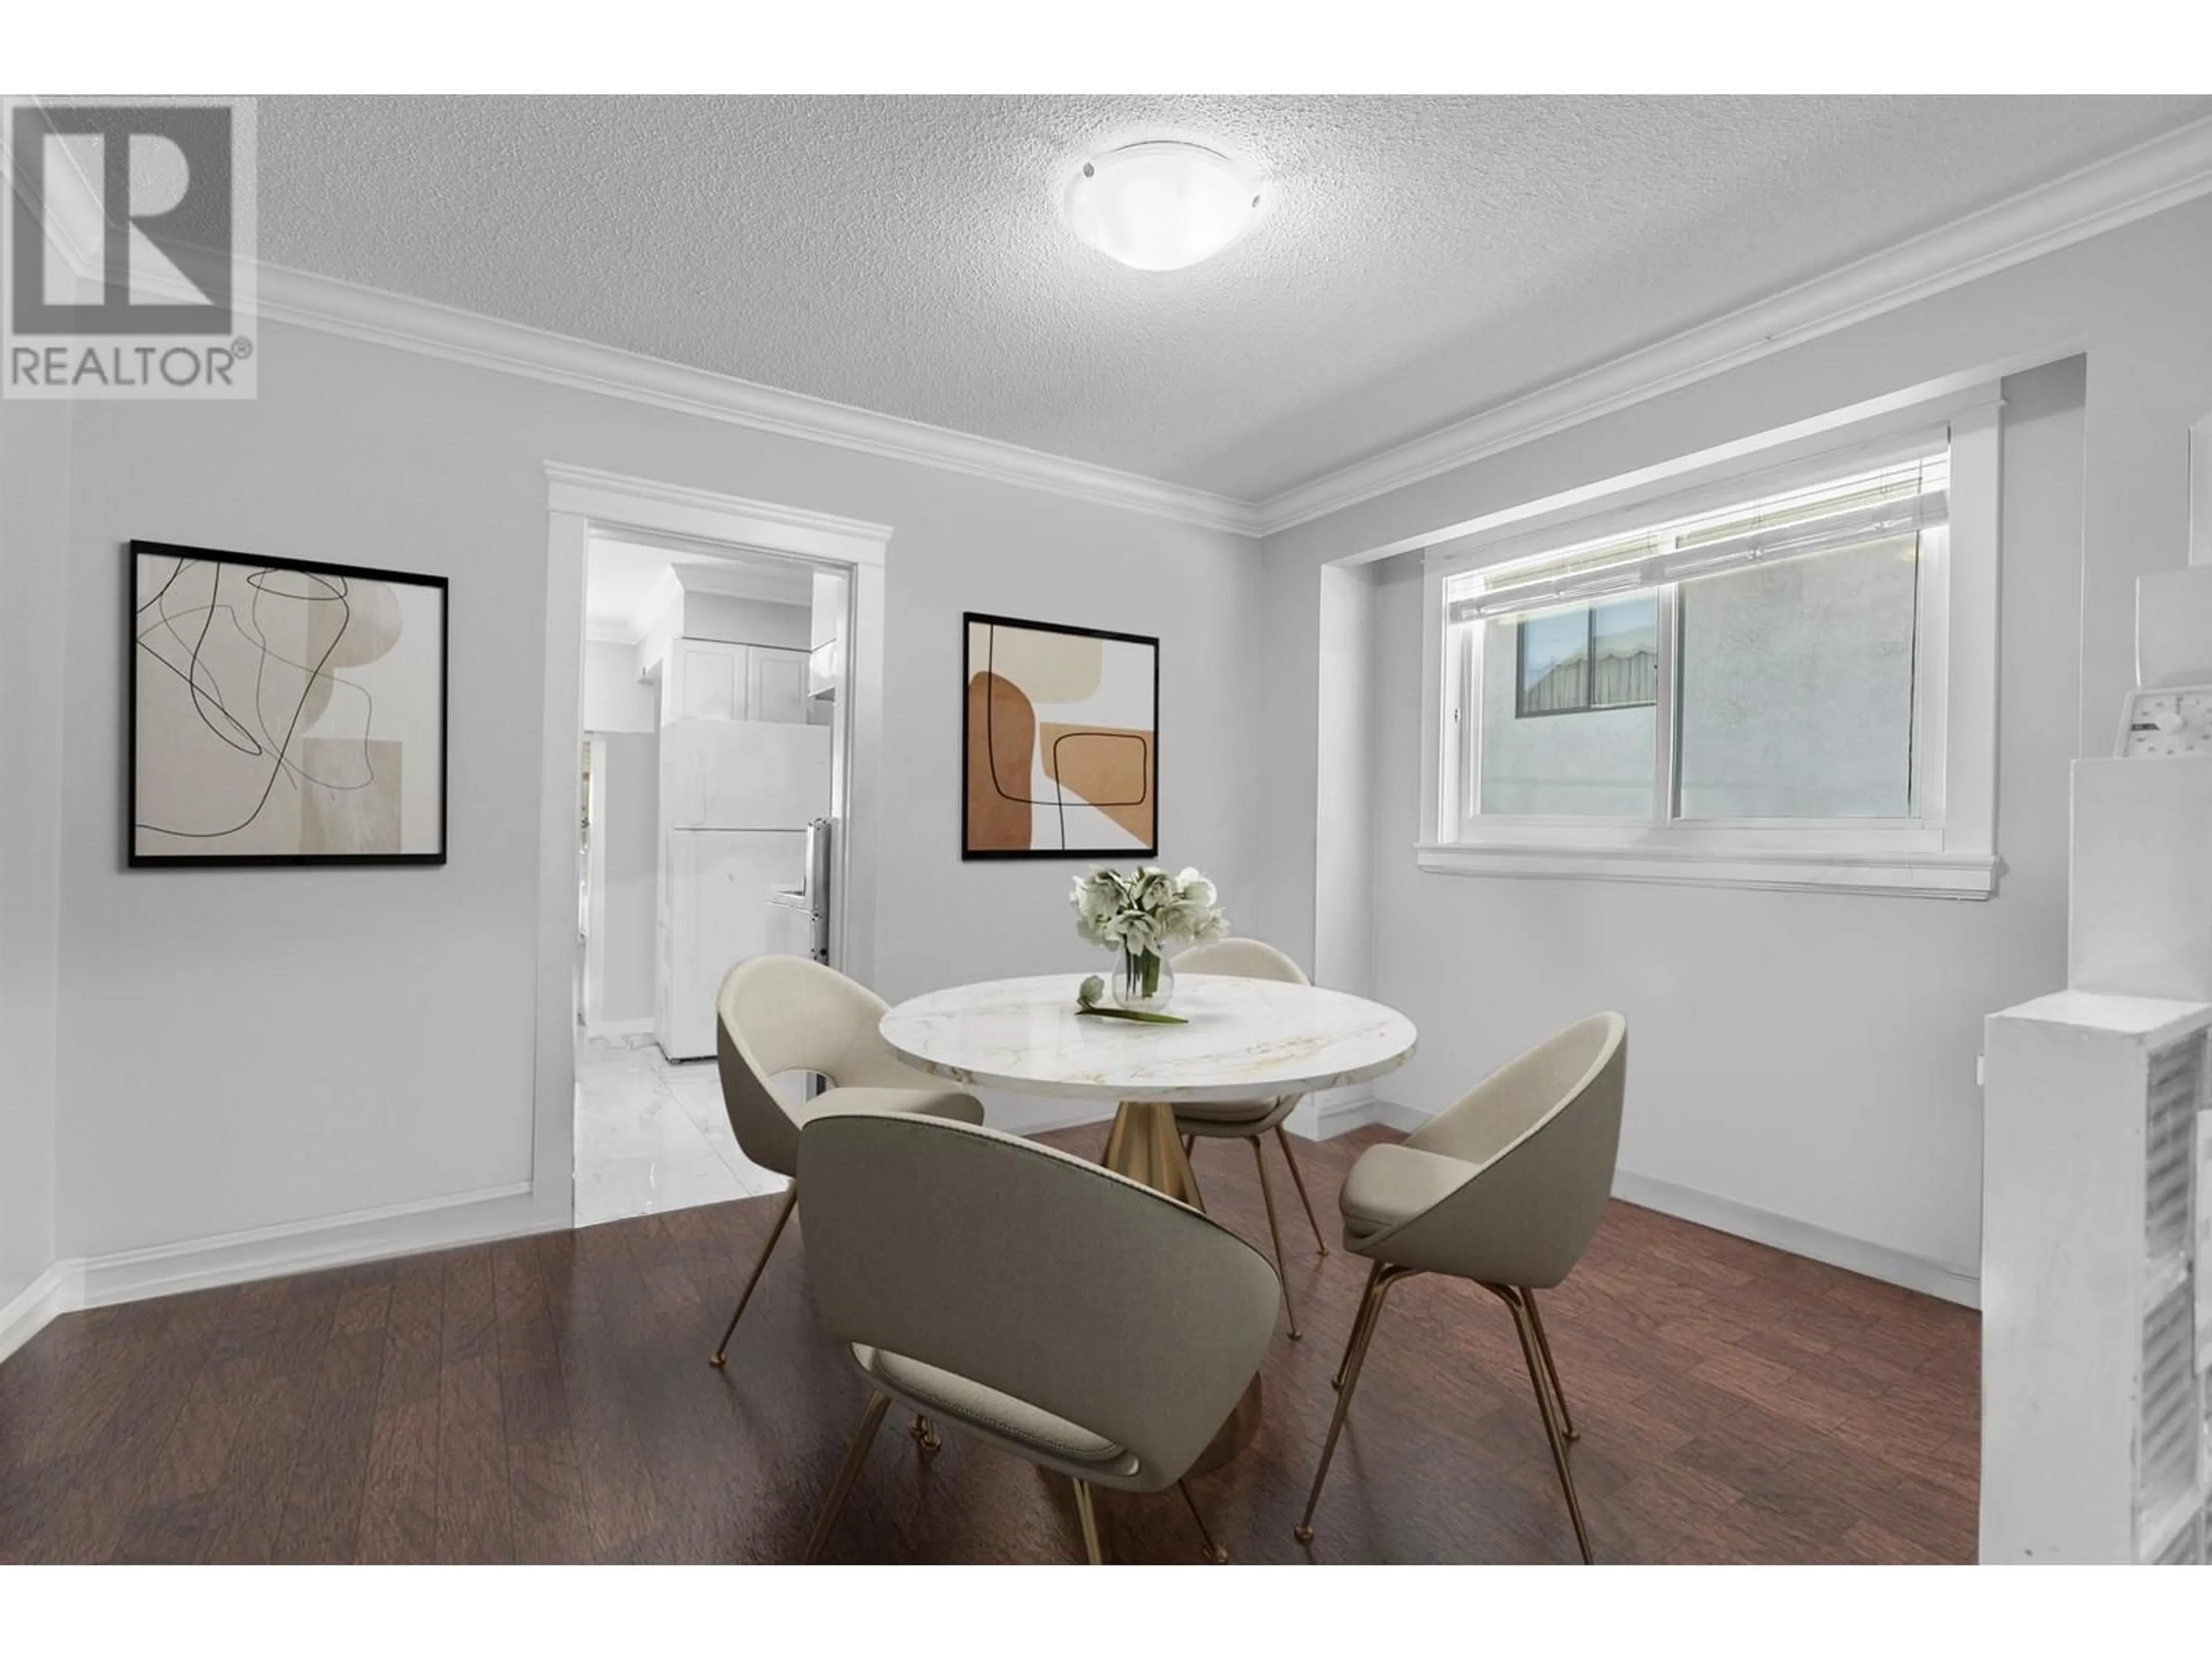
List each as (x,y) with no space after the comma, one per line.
(595,907)
(580,501)
(614,501)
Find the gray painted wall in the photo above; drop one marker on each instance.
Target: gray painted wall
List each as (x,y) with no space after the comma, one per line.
(1810,1054)
(34,570)
(615,698)
(630,829)
(1837,1089)
(303,1044)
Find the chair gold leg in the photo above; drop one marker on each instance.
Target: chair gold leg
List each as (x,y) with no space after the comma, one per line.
(1282,1270)
(1551,1367)
(1370,1314)
(1529,1351)
(856,1453)
(1084,1513)
(1358,1324)
(1189,1151)
(925,1434)
(1214,1552)
(1298,1180)
(720,1356)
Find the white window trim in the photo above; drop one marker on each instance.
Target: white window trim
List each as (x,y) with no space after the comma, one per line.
(1949,851)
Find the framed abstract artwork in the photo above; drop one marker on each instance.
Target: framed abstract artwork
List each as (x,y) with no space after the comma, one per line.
(1060,742)
(282,712)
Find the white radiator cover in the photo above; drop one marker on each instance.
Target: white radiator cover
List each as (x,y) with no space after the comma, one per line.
(2093,1392)
(2097,1197)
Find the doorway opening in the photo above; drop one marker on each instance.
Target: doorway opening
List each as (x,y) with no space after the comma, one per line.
(687,550)
(706,785)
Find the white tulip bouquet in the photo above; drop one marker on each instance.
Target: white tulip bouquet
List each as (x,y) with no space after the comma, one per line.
(1139,914)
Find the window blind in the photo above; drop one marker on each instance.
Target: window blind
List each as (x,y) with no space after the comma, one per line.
(1896,500)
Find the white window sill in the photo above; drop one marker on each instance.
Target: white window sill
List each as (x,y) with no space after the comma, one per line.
(1890,874)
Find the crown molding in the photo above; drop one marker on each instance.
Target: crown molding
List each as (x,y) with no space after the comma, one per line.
(329,306)
(2162,173)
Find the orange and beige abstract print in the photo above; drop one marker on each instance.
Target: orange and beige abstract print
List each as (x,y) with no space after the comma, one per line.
(1062,747)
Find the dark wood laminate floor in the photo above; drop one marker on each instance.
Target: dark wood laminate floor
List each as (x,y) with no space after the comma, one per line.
(548,1398)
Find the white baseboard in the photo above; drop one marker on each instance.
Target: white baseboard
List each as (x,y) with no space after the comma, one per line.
(1332,1112)
(1803,1238)
(1330,1118)
(200,1264)
(1039,1118)
(1725,1215)
(1327,1116)
(36,1306)
(609,1029)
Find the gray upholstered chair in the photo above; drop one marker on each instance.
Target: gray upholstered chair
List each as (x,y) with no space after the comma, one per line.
(790,1014)
(1033,1301)
(1506,1188)
(1250,1120)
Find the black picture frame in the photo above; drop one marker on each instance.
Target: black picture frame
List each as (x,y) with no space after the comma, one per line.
(969,854)
(132,651)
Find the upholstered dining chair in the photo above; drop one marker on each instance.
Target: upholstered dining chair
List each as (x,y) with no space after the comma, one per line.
(1505,1188)
(1251,1119)
(1029,1299)
(792,1014)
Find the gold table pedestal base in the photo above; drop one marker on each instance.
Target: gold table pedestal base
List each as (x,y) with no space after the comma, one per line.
(1143,1145)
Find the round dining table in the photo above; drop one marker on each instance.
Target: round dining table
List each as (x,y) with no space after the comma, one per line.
(1242,1039)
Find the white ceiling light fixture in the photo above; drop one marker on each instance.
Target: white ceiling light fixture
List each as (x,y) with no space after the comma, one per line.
(1161,205)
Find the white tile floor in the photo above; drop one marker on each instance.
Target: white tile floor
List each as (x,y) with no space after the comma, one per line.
(651,1135)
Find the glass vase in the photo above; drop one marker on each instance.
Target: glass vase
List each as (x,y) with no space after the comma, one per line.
(1144,983)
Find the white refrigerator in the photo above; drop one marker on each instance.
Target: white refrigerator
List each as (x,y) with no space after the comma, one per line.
(740,795)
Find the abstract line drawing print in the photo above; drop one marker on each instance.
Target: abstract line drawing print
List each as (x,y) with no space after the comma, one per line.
(284,712)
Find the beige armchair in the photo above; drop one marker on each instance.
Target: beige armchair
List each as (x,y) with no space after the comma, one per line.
(1250,1120)
(1505,1188)
(1030,1300)
(790,1014)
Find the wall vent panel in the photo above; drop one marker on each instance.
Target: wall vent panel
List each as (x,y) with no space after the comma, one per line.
(2177,1089)
(2173,1416)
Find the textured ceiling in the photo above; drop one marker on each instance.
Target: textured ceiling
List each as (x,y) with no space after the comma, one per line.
(1416,258)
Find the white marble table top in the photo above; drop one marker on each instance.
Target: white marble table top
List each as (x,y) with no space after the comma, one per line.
(1247,1039)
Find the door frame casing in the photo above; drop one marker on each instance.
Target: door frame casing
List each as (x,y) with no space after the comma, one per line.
(584,501)
(593,993)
